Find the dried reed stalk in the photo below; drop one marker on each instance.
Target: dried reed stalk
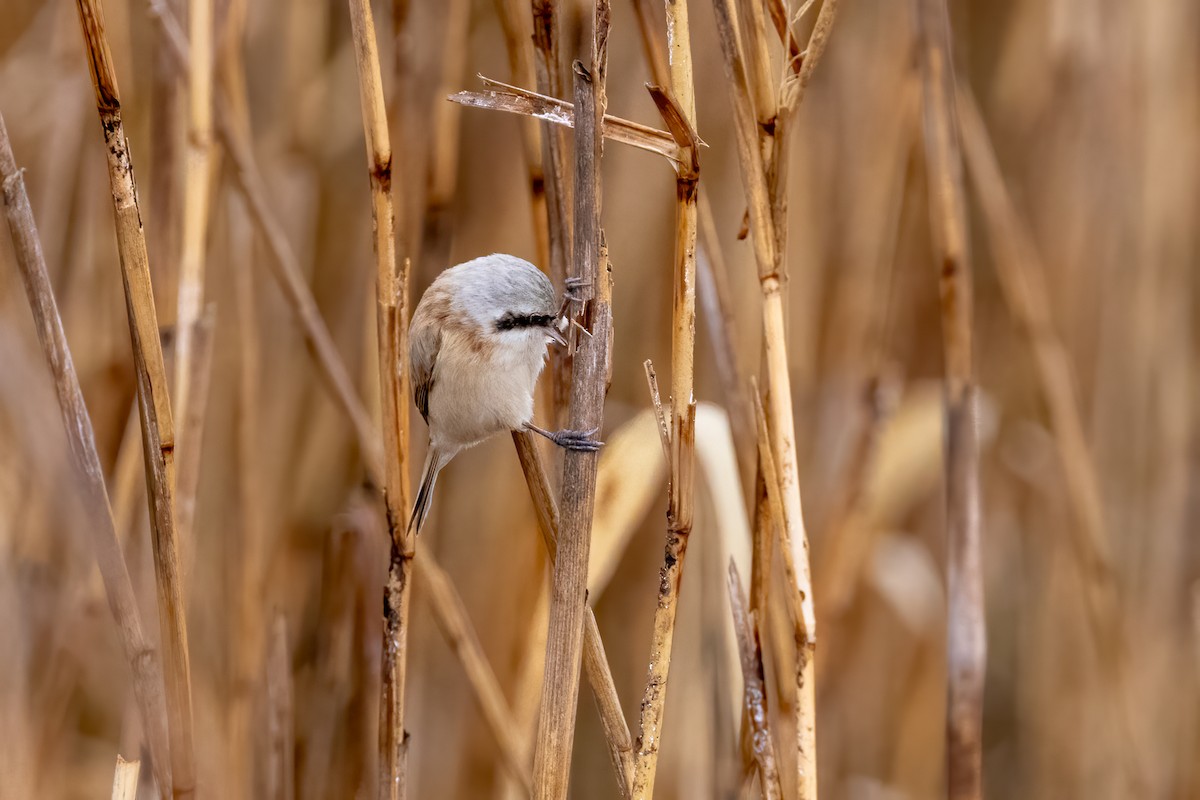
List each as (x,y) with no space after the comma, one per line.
(125,779)
(1022,279)
(515,100)
(122,600)
(548,70)
(520,65)
(589,379)
(754,694)
(158,435)
(466,646)
(966,637)
(713,274)
(390,288)
(595,663)
(195,217)
(678,109)
(281,746)
(766,201)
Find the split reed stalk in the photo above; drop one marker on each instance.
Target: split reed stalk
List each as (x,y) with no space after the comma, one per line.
(158,435)
(390,302)
(966,642)
(595,662)
(589,377)
(754,695)
(195,222)
(125,779)
(678,110)
(122,600)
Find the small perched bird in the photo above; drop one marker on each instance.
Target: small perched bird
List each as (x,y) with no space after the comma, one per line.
(477,344)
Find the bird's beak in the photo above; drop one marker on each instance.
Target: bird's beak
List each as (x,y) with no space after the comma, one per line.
(555,335)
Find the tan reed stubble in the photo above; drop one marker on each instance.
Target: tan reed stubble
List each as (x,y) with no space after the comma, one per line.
(389,309)
(678,109)
(1023,281)
(595,663)
(589,384)
(754,693)
(122,600)
(966,641)
(158,435)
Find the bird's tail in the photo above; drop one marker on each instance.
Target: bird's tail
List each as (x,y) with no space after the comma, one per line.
(434,461)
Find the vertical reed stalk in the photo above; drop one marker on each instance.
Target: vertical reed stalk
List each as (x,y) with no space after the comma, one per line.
(122,601)
(966,642)
(195,218)
(679,112)
(389,309)
(158,435)
(595,663)
(564,645)
(754,694)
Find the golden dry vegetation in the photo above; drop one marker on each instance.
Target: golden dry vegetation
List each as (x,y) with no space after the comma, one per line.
(999,241)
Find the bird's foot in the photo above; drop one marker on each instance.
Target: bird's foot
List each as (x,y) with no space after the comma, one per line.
(580,441)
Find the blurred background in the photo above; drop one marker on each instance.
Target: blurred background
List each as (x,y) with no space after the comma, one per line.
(1093,109)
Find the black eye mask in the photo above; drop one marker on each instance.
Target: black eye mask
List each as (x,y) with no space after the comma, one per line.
(511,321)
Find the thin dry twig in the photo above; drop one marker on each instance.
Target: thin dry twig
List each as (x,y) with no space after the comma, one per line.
(754,693)
(466,646)
(595,663)
(660,416)
(591,363)
(122,601)
(966,635)
(158,435)
(389,309)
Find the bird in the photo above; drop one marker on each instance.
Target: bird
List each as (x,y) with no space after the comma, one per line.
(477,344)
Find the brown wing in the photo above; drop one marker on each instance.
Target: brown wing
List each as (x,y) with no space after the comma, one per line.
(422,353)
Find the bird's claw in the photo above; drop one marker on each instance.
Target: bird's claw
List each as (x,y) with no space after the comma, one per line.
(580,441)
(574,285)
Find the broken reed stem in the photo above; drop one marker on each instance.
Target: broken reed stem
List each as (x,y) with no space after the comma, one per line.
(966,642)
(678,110)
(195,217)
(158,435)
(393,404)
(589,379)
(595,662)
(754,695)
(122,600)
(125,779)
(554,168)
(1022,280)
(463,641)
(515,100)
